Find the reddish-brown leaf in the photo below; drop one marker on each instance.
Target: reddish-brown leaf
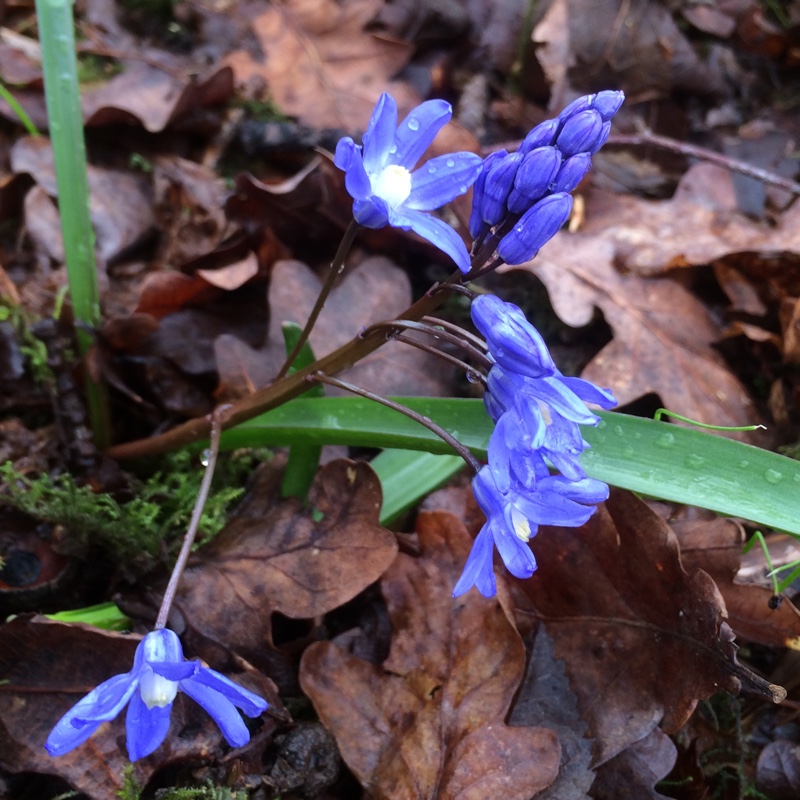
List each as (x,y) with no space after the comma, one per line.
(281,555)
(429,723)
(642,639)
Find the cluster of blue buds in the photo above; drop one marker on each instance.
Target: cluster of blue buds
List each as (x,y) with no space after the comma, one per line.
(537,413)
(521,199)
(149,689)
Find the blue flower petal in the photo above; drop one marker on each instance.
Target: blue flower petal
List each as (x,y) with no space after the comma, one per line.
(146,728)
(349,158)
(442,179)
(516,554)
(479,570)
(175,672)
(437,232)
(371,213)
(101,704)
(220,709)
(416,132)
(250,703)
(590,393)
(379,136)
(562,399)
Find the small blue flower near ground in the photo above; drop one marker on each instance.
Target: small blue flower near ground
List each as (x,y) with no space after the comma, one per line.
(379,177)
(149,689)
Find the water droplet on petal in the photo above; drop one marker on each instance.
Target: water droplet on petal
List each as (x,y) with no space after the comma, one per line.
(392,149)
(773,476)
(413,124)
(431,170)
(450,163)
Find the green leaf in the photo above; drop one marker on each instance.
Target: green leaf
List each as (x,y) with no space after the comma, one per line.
(653,458)
(409,475)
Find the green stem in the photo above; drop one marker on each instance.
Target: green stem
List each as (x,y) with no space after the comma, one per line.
(57,37)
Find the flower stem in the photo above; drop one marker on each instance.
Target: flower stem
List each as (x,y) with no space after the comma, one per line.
(427,422)
(337,265)
(197,513)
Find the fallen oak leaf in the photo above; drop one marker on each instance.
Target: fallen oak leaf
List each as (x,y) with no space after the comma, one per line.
(429,722)
(663,335)
(301,560)
(642,640)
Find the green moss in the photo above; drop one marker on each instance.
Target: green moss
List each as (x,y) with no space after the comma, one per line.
(132,532)
(96,69)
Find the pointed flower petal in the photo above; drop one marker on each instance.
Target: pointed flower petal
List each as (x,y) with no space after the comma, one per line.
(418,130)
(221,710)
(442,179)
(379,136)
(146,728)
(437,232)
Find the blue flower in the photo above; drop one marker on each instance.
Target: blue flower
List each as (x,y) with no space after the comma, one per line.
(159,671)
(513,516)
(379,177)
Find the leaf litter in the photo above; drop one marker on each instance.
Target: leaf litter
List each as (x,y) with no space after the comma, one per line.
(601,676)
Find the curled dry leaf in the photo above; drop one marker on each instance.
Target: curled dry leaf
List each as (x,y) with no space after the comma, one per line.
(281,555)
(429,722)
(642,640)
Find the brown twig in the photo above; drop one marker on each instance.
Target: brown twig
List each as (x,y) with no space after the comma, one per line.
(647,137)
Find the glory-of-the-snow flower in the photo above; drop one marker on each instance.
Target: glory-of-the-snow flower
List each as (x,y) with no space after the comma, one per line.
(149,689)
(379,174)
(537,413)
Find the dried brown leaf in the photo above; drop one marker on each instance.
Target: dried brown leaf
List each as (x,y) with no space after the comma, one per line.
(663,335)
(429,723)
(716,547)
(320,64)
(642,640)
(279,555)
(375,291)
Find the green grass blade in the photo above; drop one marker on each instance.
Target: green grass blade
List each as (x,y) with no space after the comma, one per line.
(57,38)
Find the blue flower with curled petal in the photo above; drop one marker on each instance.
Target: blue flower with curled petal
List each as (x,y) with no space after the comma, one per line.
(149,689)
(513,517)
(379,177)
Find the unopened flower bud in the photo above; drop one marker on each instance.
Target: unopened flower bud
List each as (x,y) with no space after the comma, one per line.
(582,133)
(543,134)
(534,177)
(572,172)
(538,224)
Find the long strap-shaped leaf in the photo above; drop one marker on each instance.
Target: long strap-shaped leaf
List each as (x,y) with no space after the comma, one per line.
(654,458)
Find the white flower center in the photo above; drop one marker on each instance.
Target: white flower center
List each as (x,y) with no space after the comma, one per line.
(522,528)
(156,690)
(392,184)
